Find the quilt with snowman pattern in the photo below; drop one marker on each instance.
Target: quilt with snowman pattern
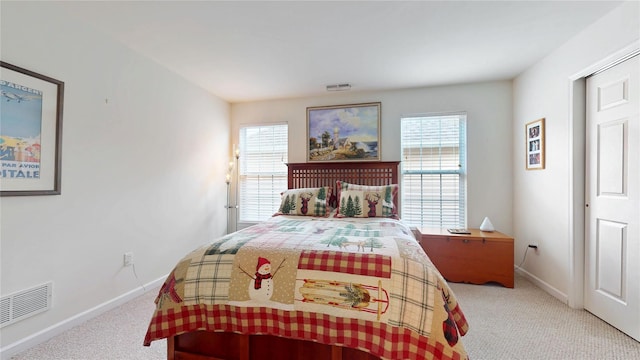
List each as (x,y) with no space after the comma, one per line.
(361,283)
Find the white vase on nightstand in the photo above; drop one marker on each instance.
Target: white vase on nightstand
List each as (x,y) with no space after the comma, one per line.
(486,225)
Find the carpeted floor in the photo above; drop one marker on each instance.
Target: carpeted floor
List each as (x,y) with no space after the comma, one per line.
(527,323)
(114,335)
(521,323)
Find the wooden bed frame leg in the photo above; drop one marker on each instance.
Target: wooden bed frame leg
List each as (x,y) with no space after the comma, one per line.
(244,346)
(171,348)
(336,352)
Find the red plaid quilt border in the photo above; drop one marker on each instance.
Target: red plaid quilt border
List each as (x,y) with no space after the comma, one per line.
(461,321)
(379,339)
(346,262)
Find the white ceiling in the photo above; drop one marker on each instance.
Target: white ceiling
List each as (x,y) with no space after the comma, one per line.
(247,51)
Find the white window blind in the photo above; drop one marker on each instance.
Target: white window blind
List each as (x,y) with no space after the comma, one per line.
(433,170)
(263,170)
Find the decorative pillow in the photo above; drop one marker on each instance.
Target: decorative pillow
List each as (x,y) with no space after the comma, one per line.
(351,203)
(305,202)
(377,201)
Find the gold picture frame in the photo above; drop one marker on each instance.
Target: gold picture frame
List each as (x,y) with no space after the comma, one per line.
(535,150)
(343,133)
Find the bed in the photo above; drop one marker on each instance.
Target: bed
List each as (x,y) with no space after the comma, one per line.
(333,275)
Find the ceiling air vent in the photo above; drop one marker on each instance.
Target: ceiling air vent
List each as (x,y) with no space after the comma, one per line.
(26,303)
(339,87)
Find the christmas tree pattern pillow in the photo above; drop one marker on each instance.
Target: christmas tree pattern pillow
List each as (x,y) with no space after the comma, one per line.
(305,202)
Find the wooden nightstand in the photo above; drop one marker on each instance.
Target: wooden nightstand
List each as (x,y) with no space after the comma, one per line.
(475,258)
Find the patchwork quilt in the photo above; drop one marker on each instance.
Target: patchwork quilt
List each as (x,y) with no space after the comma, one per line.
(361,283)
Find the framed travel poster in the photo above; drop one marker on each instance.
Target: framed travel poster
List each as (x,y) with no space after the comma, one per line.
(31,131)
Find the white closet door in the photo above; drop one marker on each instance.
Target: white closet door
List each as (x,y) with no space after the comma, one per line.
(612,264)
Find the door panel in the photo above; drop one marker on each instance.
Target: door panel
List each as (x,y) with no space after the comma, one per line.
(610,259)
(611,156)
(612,238)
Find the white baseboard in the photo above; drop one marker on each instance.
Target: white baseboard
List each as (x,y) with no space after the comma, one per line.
(543,285)
(41,336)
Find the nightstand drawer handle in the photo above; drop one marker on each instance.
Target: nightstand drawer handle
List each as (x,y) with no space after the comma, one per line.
(465,240)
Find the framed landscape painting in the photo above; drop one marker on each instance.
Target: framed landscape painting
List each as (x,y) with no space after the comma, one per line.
(344,133)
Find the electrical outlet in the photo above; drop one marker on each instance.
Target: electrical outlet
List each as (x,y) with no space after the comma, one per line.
(128,259)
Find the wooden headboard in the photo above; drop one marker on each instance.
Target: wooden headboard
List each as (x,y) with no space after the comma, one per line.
(311,175)
(304,175)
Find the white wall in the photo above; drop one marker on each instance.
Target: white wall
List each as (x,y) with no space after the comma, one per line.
(543,210)
(489,127)
(144,157)
(143,170)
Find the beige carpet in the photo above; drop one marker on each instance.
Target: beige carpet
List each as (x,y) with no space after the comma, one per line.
(527,323)
(521,323)
(114,335)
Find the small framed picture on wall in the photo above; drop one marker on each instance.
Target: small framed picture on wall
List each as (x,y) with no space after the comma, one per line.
(534,134)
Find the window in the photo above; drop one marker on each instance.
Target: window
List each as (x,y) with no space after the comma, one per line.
(433,170)
(263,170)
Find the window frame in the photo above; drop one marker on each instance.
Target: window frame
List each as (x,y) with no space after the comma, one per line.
(278,177)
(409,215)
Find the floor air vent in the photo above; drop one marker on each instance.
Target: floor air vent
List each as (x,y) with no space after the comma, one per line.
(26,303)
